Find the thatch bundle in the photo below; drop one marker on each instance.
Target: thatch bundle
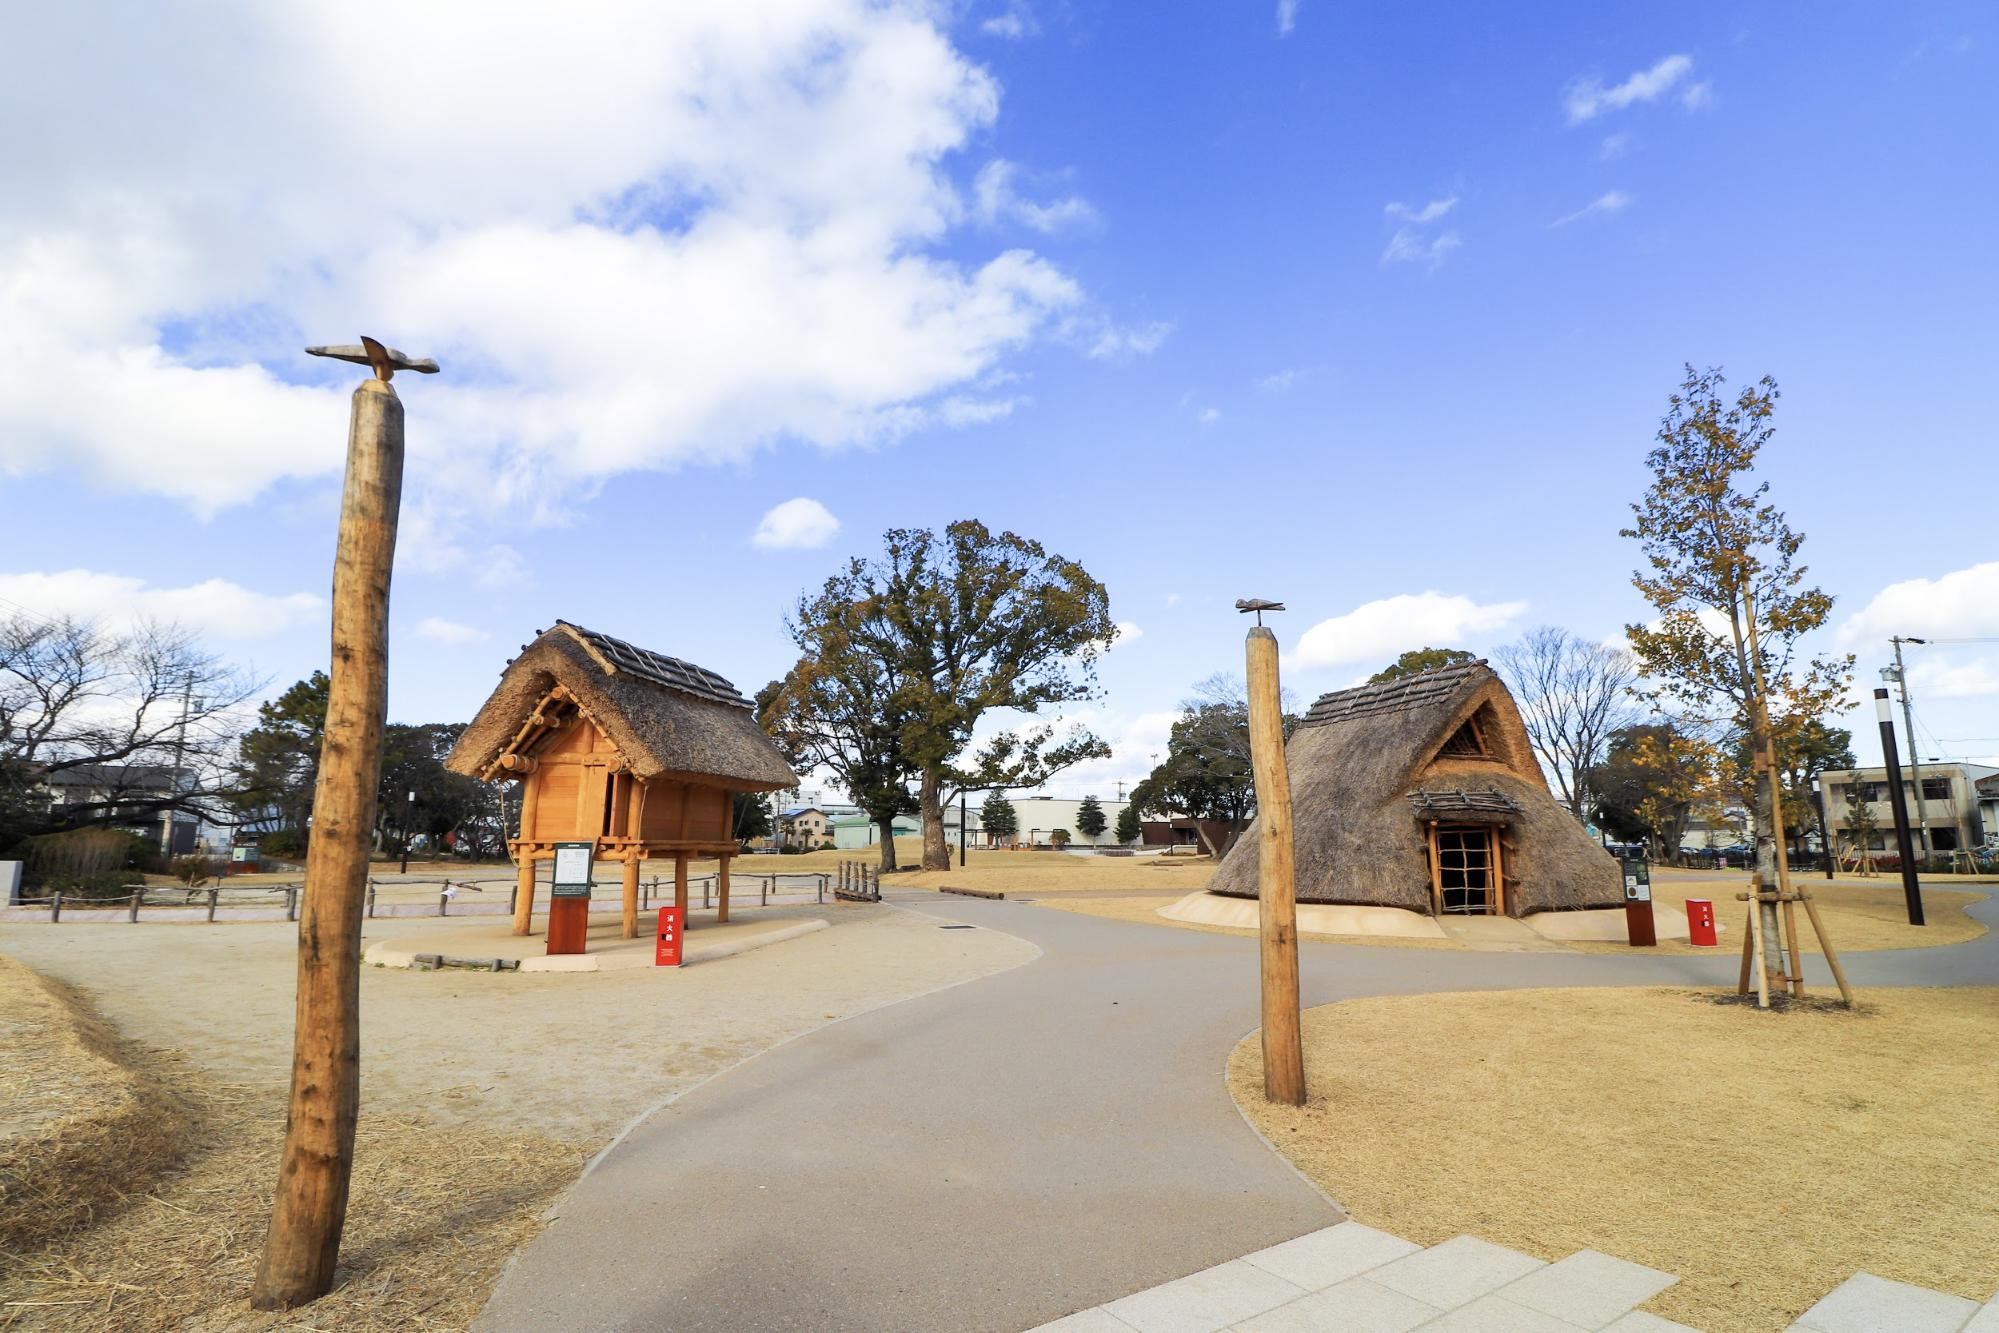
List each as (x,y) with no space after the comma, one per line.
(664,715)
(1372,766)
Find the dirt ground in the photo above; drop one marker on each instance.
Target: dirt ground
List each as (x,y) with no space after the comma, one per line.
(1764,1158)
(483,1097)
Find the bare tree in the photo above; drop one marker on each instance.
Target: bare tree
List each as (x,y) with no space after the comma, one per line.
(1573,695)
(128,705)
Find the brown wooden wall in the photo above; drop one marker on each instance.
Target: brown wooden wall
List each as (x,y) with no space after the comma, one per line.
(579,799)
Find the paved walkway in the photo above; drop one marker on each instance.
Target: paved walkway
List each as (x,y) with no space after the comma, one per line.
(999,1154)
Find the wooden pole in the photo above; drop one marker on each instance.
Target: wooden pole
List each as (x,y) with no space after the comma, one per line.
(630,927)
(722,890)
(1761,949)
(303,1245)
(1283,1045)
(1825,946)
(680,886)
(524,894)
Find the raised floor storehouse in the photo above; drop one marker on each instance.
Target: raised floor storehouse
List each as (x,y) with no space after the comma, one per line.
(1423,792)
(635,752)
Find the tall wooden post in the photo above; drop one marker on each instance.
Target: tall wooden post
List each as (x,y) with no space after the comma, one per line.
(630,926)
(524,894)
(722,890)
(1283,1045)
(680,886)
(303,1246)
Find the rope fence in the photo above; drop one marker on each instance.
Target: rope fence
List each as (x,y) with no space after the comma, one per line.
(403,898)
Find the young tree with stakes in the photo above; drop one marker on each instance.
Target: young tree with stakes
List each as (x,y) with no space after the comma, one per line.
(1732,609)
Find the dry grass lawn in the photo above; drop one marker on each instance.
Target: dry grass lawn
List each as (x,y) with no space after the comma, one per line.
(1764,1158)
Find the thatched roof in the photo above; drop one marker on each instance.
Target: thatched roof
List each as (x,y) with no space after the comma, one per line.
(664,715)
(1371,766)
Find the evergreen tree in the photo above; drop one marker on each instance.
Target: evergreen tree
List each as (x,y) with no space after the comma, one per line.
(1090,818)
(1421,659)
(997,817)
(1129,827)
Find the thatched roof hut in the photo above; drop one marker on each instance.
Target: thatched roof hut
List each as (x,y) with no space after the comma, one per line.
(665,717)
(1423,792)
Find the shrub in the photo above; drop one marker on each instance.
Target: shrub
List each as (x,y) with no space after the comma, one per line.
(286,844)
(197,870)
(68,861)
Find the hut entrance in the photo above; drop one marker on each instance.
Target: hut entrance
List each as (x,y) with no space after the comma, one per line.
(1464,870)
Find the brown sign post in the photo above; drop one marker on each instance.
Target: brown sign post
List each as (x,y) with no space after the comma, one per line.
(303,1246)
(1277,890)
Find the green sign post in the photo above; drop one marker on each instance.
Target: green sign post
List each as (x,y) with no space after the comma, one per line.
(572,870)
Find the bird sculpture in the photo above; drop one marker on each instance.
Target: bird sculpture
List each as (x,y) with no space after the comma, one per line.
(1258,605)
(385,360)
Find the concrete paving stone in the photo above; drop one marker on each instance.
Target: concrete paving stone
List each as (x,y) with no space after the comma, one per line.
(1987,1318)
(1353,1306)
(1319,1259)
(1496,1314)
(1641,1321)
(1865,1303)
(1587,1288)
(1456,1272)
(1205,1302)
(1093,1320)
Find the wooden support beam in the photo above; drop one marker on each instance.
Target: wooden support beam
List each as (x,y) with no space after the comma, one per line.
(524,896)
(680,886)
(630,929)
(722,890)
(1436,875)
(1498,874)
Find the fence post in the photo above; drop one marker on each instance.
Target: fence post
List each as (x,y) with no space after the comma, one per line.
(213,894)
(443,899)
(513,896)
(371,897)
(706,886)
(766,894)
(136,895)
(291,902)
(55,906)
(822,887)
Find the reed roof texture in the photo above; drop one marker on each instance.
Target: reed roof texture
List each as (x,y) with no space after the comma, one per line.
(1372,766)
(665,716)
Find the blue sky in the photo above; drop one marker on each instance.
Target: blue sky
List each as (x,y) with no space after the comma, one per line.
(1335,304)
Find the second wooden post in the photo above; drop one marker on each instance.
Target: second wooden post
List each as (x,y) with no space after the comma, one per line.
(1283,1046)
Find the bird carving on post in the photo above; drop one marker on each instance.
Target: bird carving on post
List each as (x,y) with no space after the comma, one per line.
(1258,605)
(385,360)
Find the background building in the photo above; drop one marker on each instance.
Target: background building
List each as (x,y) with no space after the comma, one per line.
(1951,809)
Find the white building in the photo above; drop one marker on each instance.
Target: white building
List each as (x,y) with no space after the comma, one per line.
(1037,817)
(1951,807)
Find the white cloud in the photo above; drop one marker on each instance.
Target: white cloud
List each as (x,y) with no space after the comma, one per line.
(796,525)
(1411,244)
(1209,416)
(1429,212)
(1287,17)
(1611,201)
(1407,247)
(1961,604)
(1174,599)
(1017,22)
(1614,146)
(439,630)
(995,200)
(1586,98)
(1697,96)
(1934,679)
(724,227)
(1127,632)
(1378,631)
(213,608)
(1279,381)
(1112,342)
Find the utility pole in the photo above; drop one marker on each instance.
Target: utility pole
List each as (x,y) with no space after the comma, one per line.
(180,759)
(1915,760)
(302,1249)
(1911,890)
(409,813)
(961,829)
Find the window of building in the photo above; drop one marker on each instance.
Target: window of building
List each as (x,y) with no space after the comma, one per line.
(1943,839)
(1936,789)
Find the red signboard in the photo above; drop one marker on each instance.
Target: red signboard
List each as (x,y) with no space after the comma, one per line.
(1700,922)
(666,952)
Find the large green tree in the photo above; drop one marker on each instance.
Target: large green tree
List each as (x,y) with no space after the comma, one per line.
(1727,647)
(277,761)
(1421,659)
(1130,825)
(997,818)
(959,625)
(1207,774)
(1653,780)
(420,797)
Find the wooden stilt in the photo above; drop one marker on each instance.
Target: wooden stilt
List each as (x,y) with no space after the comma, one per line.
(630,927)
(524,896)
(722,890)
(680,886)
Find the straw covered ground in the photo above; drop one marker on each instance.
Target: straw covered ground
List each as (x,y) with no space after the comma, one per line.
(483,1097)
(1762,1157)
